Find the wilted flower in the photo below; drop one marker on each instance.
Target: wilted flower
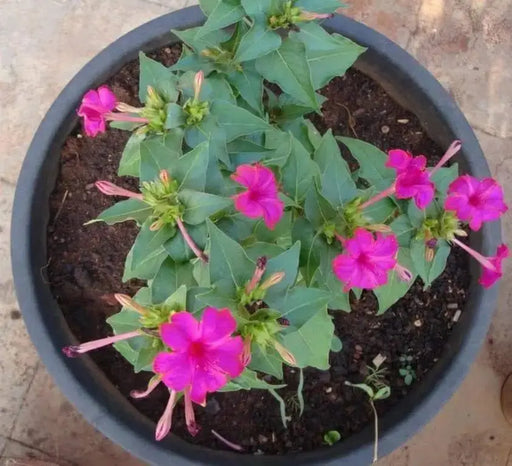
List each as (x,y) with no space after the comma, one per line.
(261,199)
(475,201)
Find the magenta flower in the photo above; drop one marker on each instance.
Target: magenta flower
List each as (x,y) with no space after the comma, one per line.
(95,105)
(412,180)
(491,266)
(204,353)
(475,201)
(366,260)
(262,197)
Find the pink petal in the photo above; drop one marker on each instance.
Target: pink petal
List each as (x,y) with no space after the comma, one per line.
(343,267)
(273,210)
(181,373)
(162,363)
(206,381)
(424,196)
(398,159)
(245,204)
(418,163)
(91,98)
(385,246)
(246,175)
(228,356)
(181,331)
(217,325)
(107,98)
(362,241)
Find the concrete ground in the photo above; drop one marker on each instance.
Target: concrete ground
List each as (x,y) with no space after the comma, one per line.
(466,44)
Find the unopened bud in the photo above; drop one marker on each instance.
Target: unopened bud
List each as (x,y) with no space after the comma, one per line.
(288,357)
(123,107)
(274,279)
(311,16)
(429,254)
(126,301)
(198,84)
(460,232)
(246,352)
(164,177)
(156,225)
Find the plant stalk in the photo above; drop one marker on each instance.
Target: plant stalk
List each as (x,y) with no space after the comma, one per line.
(190,241)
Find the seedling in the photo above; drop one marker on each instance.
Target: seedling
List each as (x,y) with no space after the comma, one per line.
(406,371)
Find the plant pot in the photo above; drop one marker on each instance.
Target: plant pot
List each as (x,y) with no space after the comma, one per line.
(88,388)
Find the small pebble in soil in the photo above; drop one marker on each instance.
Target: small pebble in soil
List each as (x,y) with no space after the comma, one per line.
(262,439)
(212,407)
(403,121)
(328,390)
(385,129)
(456,316)
(418,323)
(452,306)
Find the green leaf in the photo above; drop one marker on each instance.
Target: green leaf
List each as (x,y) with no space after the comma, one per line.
(403,229)
(325,279)
(147,268)
(147,354)
(157,154)
(266,360)
(395,288)
(429,271)
(300,304)
(298,172)
(224,13)
(249,380)
(199,206)
(280,145)
(259,41)
(287,262)
(288,68)
(332,437)
(217,298)
(328,55)
(257,8)
(382,393)
(129,165)
(228,260)
(160,78)
(147,241)
(279,235)
(313,246)
(237,226)
(317,209)
(250,86)
(191,169)
(311,342)
(130,209)
(215,87)
(336,344)
(125,125)
(260,249)
(169,278)
(179,250)
(244,151)
(176,117)
(314,137)
(237,121)
(199,42)
(443,177)
(381,211)
(371,162)
(337,184)
(362,386)
(416,216)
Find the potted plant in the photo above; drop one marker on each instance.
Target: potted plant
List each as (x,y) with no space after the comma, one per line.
(257,232)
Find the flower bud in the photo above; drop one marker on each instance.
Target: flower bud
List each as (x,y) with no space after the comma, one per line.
(126,301)
(198,84)
(288,357)
(274,279)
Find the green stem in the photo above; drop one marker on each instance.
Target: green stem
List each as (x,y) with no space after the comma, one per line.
(376,428)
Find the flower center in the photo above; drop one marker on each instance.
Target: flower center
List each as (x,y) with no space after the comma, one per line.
(474,200)
(197,349)
(364,260)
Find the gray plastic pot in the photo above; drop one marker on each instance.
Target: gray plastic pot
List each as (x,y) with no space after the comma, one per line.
(86,386)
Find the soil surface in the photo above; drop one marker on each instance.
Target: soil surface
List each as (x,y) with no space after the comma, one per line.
(86,264)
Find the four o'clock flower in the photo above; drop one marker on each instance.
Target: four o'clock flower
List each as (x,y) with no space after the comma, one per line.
(475,201)
(491,266)
(412,180)
(366,260)
(204,357)
(97,107)
(261,199)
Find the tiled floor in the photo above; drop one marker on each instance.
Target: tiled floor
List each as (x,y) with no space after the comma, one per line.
(43,43)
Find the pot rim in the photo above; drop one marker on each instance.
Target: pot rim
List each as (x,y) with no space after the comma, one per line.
(88,388)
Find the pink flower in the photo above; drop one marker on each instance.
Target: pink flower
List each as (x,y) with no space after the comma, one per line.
(412,180)
(366,260)
(76,350)
(262,197)
(490,277)
(491,266)
(475,201)
(204,353)
(95,105)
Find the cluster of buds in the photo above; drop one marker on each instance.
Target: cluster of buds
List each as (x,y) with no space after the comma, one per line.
(291,15)
(196,110)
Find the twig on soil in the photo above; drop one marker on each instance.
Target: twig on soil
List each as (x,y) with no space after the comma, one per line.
(43,269)
(232,445)
(59,210)
(351,120)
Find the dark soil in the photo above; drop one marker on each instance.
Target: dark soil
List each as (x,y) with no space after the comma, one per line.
(86,264)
